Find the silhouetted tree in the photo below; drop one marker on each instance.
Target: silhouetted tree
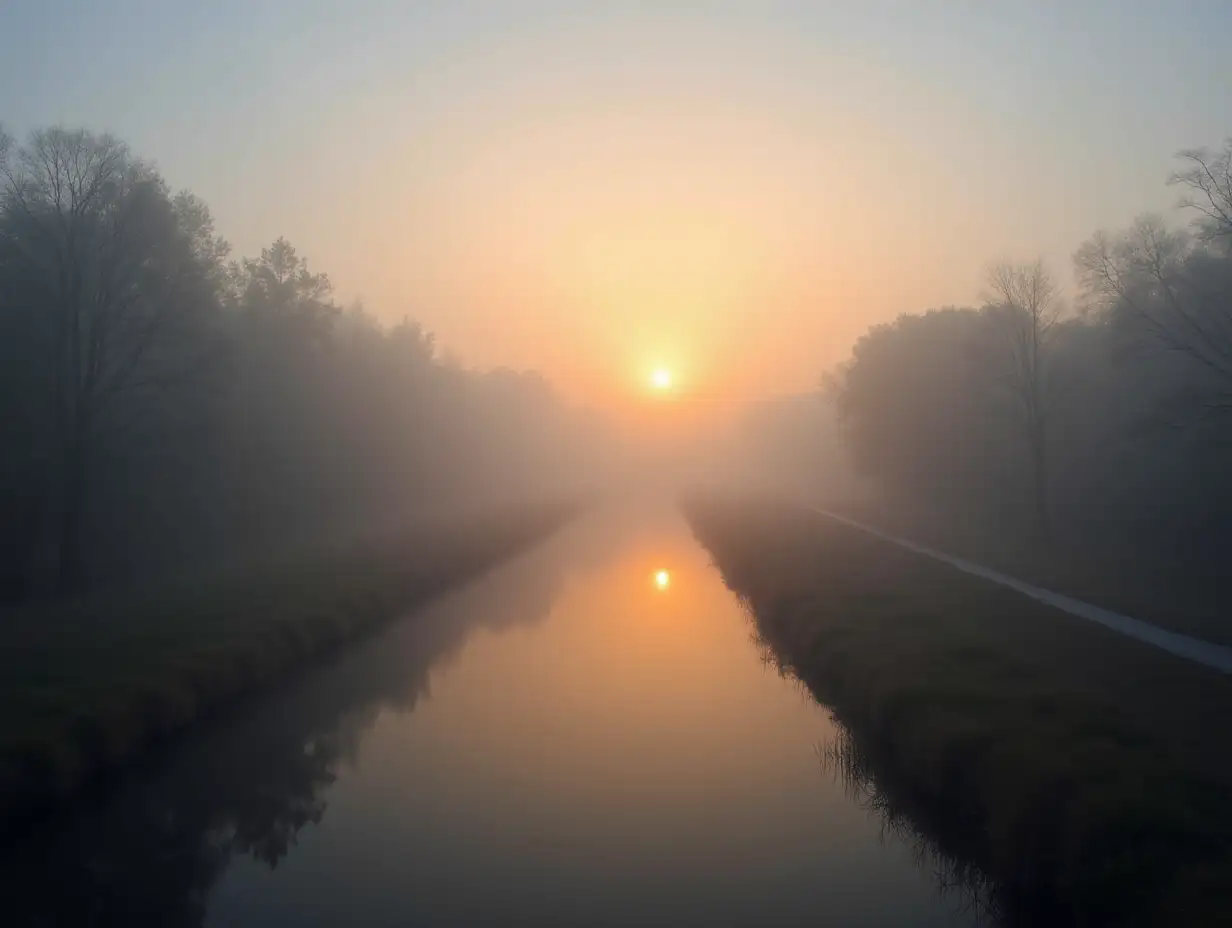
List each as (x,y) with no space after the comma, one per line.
(1173,289)
(922,413)
(279,293)
(111,275)
(1167,288)
(1208,177)
(1024,300)
(954,414)
(161,408)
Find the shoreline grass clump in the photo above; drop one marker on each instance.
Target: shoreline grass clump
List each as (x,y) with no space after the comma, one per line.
(87,685)
(1085,773)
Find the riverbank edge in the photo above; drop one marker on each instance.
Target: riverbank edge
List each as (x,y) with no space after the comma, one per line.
(88,742)
(987,788)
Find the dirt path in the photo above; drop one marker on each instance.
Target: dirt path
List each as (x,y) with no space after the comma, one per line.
(1194,649)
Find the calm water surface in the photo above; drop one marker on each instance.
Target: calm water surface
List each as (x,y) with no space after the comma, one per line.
(587,736)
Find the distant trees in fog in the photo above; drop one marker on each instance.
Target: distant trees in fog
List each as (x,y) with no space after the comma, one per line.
(161,405)
(1024,301)
(1114,422)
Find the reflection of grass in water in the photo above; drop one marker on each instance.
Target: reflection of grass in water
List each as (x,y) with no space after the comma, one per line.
(955,878)
(844,759)
(88,684)
(148,848)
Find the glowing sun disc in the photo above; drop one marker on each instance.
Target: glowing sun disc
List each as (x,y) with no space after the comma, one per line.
(661,378)
(662,579)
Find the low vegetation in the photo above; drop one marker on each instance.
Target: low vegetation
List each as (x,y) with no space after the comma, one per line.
(87,684)
(1086,774)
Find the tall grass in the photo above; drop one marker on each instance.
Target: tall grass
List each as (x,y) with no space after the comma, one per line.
(874,789)
(1085,773)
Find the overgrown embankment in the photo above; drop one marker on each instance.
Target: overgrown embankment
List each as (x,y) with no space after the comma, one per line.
(85,686)
(1087,774)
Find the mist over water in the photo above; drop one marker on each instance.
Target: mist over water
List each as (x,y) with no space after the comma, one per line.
(585,742)
(316,319)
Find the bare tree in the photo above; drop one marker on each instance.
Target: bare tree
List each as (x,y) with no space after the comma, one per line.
(1166,288)
(1171,287)
(1025,301)
(6,146)
(113,268)
(1207,175)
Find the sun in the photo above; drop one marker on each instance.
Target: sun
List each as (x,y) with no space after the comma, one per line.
(661,379)
(662,579)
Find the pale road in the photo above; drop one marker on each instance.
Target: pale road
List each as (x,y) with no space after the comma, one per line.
(1193,649)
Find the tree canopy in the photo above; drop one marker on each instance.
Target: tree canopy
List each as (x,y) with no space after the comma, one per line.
(163,406)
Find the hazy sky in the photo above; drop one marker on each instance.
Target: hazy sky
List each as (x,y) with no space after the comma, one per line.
(732,190)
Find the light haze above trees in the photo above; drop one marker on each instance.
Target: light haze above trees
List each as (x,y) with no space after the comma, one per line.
(162,407)
(1102,430)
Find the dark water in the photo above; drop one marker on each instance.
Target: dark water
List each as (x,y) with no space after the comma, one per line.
(588,736)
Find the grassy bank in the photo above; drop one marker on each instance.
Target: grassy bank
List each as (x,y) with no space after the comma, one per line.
(87,685)
(1087,774)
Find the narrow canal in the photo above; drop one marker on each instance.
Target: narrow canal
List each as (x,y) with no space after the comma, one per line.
(590,735)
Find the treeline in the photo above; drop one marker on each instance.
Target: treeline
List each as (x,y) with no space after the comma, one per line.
(163,407)
(1104,426)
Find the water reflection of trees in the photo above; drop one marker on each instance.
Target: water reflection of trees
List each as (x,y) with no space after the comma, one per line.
(148,850)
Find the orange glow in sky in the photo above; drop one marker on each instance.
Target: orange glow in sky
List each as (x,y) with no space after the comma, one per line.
(596,188)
